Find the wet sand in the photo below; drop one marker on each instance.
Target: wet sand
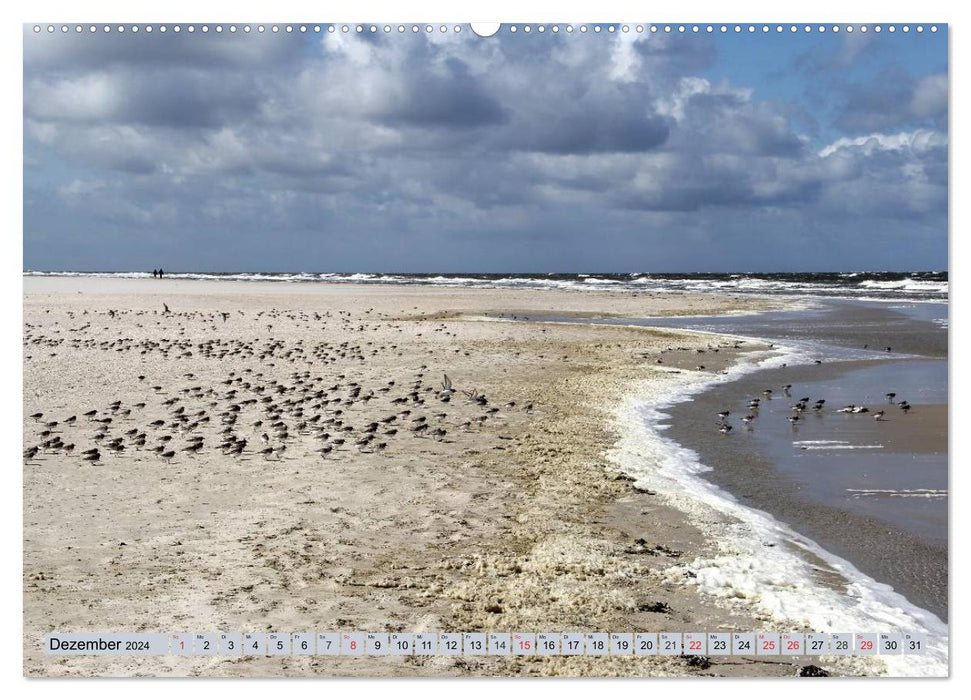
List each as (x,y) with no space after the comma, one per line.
(511,520)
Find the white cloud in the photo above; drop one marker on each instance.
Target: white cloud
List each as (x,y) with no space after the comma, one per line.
(918,140)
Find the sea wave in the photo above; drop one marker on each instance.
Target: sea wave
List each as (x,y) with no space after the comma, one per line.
(913,286)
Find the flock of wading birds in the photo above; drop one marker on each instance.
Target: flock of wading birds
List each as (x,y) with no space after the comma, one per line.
(801,407)
(199,418)
(303,405)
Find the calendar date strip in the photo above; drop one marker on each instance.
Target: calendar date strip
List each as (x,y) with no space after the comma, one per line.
(486,644)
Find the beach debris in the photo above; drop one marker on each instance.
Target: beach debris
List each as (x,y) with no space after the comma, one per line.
(812,671)
(696,661)
(642,546)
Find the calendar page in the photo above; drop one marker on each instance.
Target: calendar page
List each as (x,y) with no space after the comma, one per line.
(438,349)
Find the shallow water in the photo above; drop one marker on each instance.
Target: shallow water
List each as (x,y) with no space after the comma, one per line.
(873,492)
(861,504)
(861,329)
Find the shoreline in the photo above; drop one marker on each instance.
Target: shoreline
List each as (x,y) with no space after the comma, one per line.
(536,534)
(743,571)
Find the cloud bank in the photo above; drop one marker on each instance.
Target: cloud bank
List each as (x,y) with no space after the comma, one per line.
(449,152)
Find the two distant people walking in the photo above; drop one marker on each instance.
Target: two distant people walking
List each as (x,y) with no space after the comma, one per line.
(158,273)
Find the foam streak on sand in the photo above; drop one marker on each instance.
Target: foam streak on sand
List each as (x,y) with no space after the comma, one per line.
(832,445)
(898,493)
(759,562)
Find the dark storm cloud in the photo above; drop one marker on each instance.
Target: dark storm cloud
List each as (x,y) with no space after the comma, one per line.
(729,121)
(625,130)
(515,150)
(83,51)
(454,99)
(169,97)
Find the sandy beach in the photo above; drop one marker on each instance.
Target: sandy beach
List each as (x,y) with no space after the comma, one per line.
(503,514)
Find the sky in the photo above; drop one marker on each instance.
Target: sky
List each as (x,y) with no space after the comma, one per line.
(448,152)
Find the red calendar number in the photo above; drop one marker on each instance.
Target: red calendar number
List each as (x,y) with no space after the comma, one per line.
(866,645)
(792,645)
(768,645)
(694,646)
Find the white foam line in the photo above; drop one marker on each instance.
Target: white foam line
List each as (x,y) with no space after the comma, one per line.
(915,293)
(752,567)
(898,493)
(841,447)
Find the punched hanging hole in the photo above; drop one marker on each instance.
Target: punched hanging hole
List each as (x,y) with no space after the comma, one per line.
(485,29)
